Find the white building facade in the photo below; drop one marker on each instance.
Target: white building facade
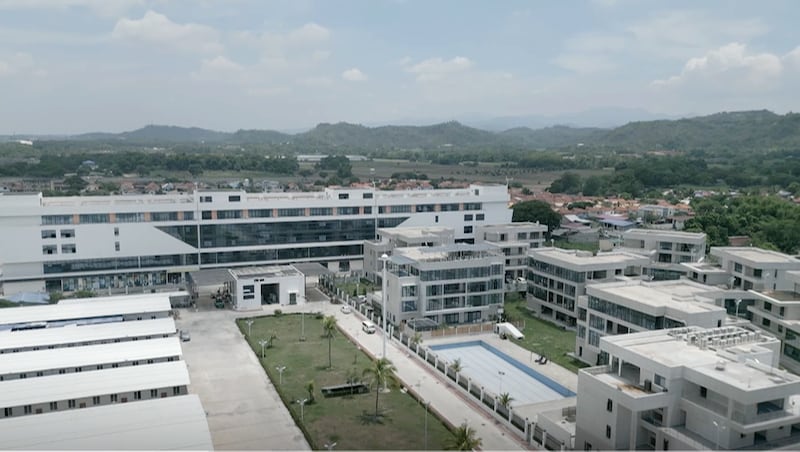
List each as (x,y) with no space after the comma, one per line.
(402,237)
(556,278)
(626,307)
(113,242)
(449,284)
(514,240)
(667,250)
(688,389)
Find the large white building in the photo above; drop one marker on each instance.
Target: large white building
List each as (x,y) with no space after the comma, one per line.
(402,237)
(556,278)
(448,284)
(778,313)
(113,242)
(633,306)
(756,268)
(688,389)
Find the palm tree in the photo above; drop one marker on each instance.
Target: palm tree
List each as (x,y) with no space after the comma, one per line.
(463,439)
(329,330)
(381,373)
(310,391)
(416,339)
(456,367)
(352,379)
(505,399)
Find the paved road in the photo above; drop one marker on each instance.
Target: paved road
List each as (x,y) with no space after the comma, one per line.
(243,409)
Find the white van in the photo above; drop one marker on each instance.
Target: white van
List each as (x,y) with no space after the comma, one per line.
(368,327)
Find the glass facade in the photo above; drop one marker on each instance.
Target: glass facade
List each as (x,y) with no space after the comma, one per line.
(127,217)
(164,216)
(56,219)
(253,234)
(121,263)
(232,257)
(555,270)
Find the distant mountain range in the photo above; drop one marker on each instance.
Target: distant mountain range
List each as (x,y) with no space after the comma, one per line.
(757,129)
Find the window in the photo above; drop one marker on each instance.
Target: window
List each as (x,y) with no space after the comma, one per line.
(781,311)
(347,211)
(67,233)
(206,215)
(291,212)
(27,409)
(321,211)
(164,216)
(608,431)
(468,217)
(68,248)
(234,198)
(367,210)
(49,249)
(479,217)
(467,229)
(176,390)
(767,306)
(260,213)
(228,214)
(153,393)
(137,395)
(71,403)
(116,232)
(609,405)
(56,219)
(53,406)
(113,398)
(49,234)
(765,322)
(737,267)
(116,246)
(188,215)
(8,412)
(96,400)
(344,195)
(659,380)
(367,196)
(703,392)
(205,199)
(129,217)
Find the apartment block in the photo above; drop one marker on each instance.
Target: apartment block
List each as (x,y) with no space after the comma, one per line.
(756,268)
(402,237)
(556,278)
(633,306)
(688,388)
(778,313)
(666,250)
(450,284)
(514,240)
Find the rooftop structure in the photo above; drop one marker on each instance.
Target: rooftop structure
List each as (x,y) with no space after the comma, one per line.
(632,306)
(666,249)
(88,358)
(557,277)
(100,310)
(144,241)
(756,268)
(514,240)
(688,388)
(255,286)
(172,423)
(402,237)
(74,335)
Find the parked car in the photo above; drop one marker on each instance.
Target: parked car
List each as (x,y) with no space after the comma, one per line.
(346,309)
(185,336)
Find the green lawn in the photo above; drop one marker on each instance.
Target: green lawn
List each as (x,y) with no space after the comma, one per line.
(544,337)
(344,420)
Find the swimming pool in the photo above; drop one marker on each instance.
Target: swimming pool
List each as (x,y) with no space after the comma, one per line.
(498,373)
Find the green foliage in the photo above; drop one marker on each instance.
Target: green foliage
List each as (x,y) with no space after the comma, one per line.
(464,438)
(569,183)
(771,222)
(329,329)
(311,390)
(505,399)
(534,211)
(339,163)
(381,373)
(277,313)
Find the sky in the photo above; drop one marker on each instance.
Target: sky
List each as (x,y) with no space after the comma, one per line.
(73,66)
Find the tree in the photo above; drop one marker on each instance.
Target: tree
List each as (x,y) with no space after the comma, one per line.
(568,183)
(464,438)
(456,366)
(505,399)
(534,211)
(416,339)
(328,331)
(310,390)
(352,379)
(380,373)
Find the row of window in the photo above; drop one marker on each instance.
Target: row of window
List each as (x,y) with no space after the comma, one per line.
(122,217)
(67,248)
(96,400)
(632,316)
(437,304)
(51,233)
(121,263)
(462,273)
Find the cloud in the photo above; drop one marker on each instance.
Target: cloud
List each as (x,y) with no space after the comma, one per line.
(106,8)
(309,33)
(219,68)
(731,66)
(434,69)
(354,75)
(20,64)
(158,29)
(584,63)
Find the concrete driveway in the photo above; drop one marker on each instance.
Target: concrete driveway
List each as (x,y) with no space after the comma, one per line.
(243,409)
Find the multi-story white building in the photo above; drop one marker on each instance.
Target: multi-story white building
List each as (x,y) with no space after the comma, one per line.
(556,278)
(449,284)
(514,240)
(632,306)
(402,237)
(666,250)
(778,313)
(688,389)
(756,268)
(99,242)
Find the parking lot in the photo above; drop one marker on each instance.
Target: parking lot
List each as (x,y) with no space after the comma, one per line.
(243,408)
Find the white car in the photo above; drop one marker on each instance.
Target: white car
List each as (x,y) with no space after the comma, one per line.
(346,309)
(185,336)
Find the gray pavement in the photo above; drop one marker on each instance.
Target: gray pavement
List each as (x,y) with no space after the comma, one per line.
(243,409)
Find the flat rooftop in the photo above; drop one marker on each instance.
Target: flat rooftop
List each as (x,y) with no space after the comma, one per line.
(272,271)
(78,334)
(100,307)
(667,234)
(116,352)
(674,348)
(453,252)
(685,295)
(755,255)
(782,295)
(416,232)
(51,388)
(578,259)
(171,423)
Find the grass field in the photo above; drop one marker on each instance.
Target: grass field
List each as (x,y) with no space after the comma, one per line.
(544,337)
(345,420)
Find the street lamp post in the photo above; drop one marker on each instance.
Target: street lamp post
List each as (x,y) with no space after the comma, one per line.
(500,375)
(737,301)
(280,370)
(384,295)
(249,323)
(302,404)
(263,343)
